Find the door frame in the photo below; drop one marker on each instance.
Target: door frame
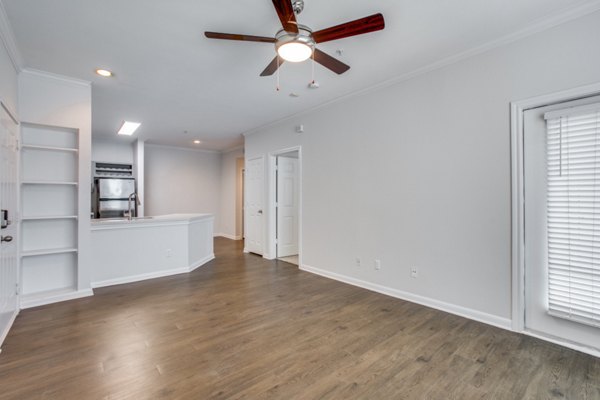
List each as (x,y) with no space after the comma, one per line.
(16,219)
(271,249)
(517,110)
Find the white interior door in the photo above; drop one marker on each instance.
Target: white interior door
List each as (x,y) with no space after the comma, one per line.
(538,319)
(287,206)
(253,206)
(8,201)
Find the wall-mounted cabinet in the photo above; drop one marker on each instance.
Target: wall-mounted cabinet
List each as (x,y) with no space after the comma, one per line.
(49,213)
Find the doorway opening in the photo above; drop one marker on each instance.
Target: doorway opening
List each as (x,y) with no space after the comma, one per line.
(555,143)
(286,205)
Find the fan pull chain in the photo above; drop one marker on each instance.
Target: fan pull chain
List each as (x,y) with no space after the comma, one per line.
(313,68)
(278,88)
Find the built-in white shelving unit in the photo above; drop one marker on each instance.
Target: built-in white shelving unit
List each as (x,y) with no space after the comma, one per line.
(49,212)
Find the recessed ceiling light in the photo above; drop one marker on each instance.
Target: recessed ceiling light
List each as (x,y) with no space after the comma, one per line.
(128,128)
(197,142)
(104,72)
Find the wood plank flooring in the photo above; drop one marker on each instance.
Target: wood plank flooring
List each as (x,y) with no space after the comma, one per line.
(245,328)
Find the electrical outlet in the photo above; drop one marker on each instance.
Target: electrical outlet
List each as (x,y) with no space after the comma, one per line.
(168,253)
(357,261)
(414,272)
(377,264)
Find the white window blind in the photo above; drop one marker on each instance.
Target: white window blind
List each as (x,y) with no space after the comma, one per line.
(573,201)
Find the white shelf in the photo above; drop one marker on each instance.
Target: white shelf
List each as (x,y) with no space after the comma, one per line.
(48,148)
(44,252)
(48,183)
(47,217)
(49,225)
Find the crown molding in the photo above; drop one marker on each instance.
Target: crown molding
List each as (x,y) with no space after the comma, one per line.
(162,146)
(540,25)
(8,39)
(232,149)
(58,77)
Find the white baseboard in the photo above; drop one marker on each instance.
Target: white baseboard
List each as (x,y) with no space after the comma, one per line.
(200,263)
(153,275)
(140,277)
(228,236)
(504,323)
(574,346)
(55,298)
(10,323)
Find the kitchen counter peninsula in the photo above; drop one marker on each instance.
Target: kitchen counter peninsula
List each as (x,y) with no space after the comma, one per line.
(149,247)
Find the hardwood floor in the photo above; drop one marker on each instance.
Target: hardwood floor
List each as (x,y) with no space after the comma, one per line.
(245,328)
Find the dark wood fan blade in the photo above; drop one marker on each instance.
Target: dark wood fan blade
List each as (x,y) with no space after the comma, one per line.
(368,24)
(272,67)
(285,11)
(329,62)
(233,36)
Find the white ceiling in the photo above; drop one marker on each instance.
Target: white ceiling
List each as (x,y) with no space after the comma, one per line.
(172,79)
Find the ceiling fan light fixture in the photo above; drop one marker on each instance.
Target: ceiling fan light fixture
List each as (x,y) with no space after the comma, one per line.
(295,47)
(294,51)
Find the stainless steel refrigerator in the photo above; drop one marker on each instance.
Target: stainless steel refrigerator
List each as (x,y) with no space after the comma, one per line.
(111,197)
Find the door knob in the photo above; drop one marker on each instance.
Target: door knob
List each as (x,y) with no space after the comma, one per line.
(260,211)
(7,238)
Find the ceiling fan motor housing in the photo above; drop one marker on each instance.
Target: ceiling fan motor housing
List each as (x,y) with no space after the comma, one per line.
(303,36)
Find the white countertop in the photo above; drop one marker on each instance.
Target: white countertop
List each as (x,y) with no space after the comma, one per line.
(149,221)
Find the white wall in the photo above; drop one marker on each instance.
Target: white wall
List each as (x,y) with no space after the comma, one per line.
(112,151)
(8,79)
(49,99)
(182,181)
(229,190)
(418,173)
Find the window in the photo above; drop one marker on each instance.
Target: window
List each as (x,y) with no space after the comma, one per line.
(573,213)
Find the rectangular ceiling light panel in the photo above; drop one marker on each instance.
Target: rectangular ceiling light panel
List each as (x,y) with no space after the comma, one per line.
(128,128)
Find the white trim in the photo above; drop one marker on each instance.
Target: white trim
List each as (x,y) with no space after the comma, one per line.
(469,313)
(271,233)
(232,149)
(7,37)
(153,275)
(201,262)
(517,218)
(540,25)
(150,144)
(10,323)
(58,77)
(10,113)
(573,111)
(55,298)
(228,236)
(140,277)
(102,226)
(564,343)
(517,108)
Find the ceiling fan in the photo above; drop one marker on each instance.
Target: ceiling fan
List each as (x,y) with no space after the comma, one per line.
(296,42)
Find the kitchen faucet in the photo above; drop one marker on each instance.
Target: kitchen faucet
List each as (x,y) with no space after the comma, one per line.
(138,202)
